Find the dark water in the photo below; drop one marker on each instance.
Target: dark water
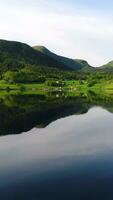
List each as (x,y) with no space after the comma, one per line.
(56,147)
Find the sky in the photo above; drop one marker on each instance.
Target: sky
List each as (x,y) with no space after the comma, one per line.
(80,29)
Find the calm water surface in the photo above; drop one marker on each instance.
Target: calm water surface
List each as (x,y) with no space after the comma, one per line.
(71,157)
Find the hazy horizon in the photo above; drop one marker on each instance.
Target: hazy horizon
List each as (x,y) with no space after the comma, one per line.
(75,29)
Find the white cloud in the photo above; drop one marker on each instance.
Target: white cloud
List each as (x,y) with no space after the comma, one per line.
(76,35)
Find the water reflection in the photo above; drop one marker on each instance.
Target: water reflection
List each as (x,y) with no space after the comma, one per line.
(69,159)
(20,113)
(66,152)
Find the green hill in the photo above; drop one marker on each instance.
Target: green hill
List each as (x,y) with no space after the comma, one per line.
(78,65)
(20,62)
(107,67)
(15,54)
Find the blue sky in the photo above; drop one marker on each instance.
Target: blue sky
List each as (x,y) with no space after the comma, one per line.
(73,28)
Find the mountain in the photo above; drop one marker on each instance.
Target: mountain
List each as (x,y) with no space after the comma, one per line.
(15,54)
(73,64)
(107,67)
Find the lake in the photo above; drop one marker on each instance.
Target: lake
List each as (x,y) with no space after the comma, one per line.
(56,146)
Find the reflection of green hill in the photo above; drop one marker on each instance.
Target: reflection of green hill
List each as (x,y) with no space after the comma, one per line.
(20,113)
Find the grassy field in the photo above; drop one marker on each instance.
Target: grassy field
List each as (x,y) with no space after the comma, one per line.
(72,85)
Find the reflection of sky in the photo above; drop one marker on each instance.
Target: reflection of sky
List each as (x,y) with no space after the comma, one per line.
(76,145)
(81,135)
(78,29)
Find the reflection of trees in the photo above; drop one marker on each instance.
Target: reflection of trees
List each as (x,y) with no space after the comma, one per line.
(20,113)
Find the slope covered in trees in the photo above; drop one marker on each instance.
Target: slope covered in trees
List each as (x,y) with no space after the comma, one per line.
(73,64)
(21,63)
